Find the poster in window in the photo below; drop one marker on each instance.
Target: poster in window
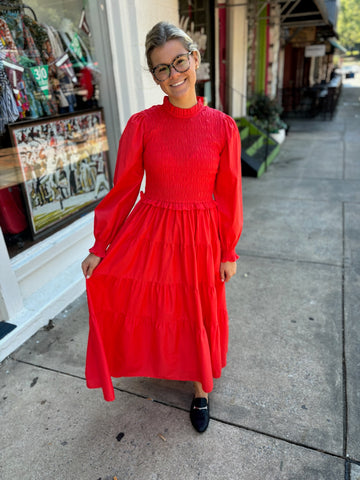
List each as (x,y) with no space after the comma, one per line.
(64,165)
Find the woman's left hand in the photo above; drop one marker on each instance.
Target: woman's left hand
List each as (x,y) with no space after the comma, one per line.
(227,270)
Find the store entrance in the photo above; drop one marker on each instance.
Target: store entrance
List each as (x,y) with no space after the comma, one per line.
(197,18)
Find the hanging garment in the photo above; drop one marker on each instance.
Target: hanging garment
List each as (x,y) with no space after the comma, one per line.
(41,38)
(29,57)
(81,55)
(156,301)
(8,108)
(12,211)
(65,72)
(14,75)
(67,33)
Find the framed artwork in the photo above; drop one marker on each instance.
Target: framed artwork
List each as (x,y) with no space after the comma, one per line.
(64,165)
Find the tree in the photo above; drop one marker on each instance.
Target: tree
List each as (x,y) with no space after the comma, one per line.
(348,25)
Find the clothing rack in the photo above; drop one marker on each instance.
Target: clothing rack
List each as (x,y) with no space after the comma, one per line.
(6,6)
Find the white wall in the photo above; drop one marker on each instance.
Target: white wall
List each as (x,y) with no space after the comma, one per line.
(237,57)
(41,281)
(129,21)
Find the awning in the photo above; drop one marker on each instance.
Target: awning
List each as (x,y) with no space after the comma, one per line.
(293,13)
(337,45)
(303,13)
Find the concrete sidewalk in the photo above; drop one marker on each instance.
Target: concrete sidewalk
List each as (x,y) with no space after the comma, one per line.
(287,406)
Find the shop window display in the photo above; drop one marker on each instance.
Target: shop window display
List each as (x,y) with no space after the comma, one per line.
(49,88)
(197,19)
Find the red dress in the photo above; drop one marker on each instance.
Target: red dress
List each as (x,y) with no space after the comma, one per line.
(156,301)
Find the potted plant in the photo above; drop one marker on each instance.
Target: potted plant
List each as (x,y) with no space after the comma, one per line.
(265,113)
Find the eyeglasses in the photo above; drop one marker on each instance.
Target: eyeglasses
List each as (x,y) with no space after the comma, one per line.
(181,64)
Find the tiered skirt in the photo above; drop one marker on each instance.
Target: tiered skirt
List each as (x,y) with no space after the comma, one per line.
(156,301)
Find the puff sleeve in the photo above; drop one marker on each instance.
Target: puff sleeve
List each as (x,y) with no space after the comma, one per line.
(228,192)
(113,210)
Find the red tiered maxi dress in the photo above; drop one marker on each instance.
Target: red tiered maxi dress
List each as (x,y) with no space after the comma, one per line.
(156,301)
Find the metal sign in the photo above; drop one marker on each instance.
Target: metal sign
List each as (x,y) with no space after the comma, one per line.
(315,50)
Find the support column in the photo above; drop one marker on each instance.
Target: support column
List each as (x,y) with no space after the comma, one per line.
(237,40)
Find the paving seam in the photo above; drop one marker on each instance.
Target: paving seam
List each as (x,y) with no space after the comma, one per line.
(286,259)
(344,362)
(302,179)
(343,156)
(278,165)
(301,199)
(347,473)
(216,419)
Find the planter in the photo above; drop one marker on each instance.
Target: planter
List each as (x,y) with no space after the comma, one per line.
(279,136)
(257,149)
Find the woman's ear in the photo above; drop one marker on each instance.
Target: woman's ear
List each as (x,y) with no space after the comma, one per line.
(196,59)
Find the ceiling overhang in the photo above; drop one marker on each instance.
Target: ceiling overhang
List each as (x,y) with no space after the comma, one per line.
(293,13)
(303,13)
(337,45)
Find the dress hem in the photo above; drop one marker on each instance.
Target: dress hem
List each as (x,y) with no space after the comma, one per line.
(111,398)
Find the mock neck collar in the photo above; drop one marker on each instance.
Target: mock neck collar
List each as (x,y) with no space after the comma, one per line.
(183,112)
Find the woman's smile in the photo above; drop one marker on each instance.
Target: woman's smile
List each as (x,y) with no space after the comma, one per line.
(178,84)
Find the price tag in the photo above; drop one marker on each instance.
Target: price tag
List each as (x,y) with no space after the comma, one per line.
(75,47)
(61,60)
(41,75)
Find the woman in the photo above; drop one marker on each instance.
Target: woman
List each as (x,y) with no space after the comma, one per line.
(157,299)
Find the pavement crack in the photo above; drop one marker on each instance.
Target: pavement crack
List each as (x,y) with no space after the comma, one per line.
(244,253)
(344,363)
(47,368)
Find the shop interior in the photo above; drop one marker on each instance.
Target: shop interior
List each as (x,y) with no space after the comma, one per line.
(53,144)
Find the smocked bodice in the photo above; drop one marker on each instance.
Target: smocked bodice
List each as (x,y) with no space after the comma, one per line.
(180,167)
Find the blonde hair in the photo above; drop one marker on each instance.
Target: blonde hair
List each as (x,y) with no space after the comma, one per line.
(161,33)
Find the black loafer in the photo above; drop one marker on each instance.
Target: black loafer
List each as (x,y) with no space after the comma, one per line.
(200,414)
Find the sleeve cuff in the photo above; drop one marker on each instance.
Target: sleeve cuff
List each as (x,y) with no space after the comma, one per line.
(98,249)
(229,256)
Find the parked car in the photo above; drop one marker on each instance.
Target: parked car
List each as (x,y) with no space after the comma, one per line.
(350,70)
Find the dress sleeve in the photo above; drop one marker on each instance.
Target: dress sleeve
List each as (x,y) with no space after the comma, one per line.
(112,211)
(228,193)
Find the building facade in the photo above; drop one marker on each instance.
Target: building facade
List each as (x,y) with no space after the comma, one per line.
(58,162)
(291,47)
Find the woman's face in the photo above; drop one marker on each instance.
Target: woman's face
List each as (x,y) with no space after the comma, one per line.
(180,87)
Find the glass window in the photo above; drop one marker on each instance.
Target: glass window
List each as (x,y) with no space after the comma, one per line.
(197,19)
(53,145)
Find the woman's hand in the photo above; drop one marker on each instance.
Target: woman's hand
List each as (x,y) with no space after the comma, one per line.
(227,270)
(89,264)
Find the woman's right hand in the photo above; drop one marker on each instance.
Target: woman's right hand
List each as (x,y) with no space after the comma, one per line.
(89,264)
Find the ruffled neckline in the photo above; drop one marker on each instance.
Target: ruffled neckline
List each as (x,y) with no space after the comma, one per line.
(183,112)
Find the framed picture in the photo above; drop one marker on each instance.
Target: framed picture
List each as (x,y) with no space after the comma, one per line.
(64,165)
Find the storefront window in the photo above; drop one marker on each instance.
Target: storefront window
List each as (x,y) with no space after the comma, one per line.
(53,160)
(197,18)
